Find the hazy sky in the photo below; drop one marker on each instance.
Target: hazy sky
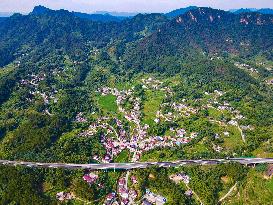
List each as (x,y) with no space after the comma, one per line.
(128,5)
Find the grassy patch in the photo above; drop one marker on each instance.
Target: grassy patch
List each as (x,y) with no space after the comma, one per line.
(108,103)
(200,147)
(234,139)
(122,157)
(152,105)
(262,152)
(6,70)
(256,190)
(216,114)
(160,155)
(269,185)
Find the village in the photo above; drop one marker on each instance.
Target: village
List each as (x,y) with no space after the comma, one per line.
(116,137)
(137,141)
(126,194)
(246,67)
(32,82)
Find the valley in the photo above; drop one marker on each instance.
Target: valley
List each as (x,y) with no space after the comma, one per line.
(151,109)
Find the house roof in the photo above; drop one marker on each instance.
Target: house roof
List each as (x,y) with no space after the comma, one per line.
(87,178)
(146,202)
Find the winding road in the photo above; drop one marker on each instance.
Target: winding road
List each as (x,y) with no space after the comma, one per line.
(138,165)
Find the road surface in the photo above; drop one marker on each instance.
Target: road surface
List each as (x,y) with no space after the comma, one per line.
(138,165)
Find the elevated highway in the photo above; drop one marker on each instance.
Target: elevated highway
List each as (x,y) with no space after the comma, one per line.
(138,165)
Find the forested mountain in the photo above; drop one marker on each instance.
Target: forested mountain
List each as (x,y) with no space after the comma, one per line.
(210,31)
(200,28)
(44,25)
(148,88)
(2,19)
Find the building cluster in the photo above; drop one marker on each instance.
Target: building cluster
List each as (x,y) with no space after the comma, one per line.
(124,194)
(111,199)
(217,148)
(90,178)
(180,177)
(117,139)
(151,83)
(113,139)
(33,84)
(152,198)
(175,111)
(138,144)
(127,196)
(64,196)
(142,144)
(246,67)
(270,81)
(225,106)
(34,80)
(80,118)
(234,114)
(184,109)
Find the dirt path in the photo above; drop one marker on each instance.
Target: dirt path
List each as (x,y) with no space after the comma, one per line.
(198,198)
(242,134)
(229,193)
(85,202)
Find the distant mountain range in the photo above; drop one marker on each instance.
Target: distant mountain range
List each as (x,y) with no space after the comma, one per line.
(262,11)
(100,17)
(95,17)
(118,14)
(105,16)
(182,11)
(5,14)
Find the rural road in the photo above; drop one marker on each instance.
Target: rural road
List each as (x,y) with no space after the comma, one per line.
(138,165)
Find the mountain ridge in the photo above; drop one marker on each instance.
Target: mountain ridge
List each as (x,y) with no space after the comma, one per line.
(203,28)
(180,11)
(38,10)
(247,10)
(157,24)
